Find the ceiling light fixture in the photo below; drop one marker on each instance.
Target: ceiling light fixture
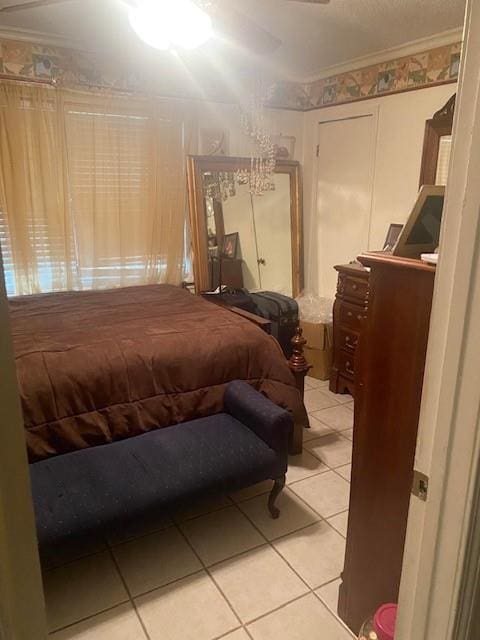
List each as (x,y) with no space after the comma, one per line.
(167,24)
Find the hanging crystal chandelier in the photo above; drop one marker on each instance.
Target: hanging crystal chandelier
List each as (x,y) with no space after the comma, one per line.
(260,176)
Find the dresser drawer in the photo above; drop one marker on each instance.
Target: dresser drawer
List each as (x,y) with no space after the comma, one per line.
(355,288)
(346,364)
(347,339)
(351,316)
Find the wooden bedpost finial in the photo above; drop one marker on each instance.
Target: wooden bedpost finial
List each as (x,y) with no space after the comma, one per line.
(299,367)
(297,362)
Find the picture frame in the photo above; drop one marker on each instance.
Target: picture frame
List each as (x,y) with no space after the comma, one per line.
(214,142)
(393,233)
(421,233)
(230,245)
(284,146)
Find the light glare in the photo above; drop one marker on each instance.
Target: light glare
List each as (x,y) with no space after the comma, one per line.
(166,23)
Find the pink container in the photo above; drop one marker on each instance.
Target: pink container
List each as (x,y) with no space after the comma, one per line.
(384,621)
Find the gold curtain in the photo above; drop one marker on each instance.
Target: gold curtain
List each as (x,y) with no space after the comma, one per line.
(32,199)
(103,177)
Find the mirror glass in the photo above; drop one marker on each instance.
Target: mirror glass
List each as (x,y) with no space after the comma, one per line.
(249,237)
(443,160)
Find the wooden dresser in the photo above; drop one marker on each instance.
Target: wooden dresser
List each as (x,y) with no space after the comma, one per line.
(390,365)
(348,320)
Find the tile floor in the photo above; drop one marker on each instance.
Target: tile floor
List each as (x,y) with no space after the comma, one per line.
(223,569)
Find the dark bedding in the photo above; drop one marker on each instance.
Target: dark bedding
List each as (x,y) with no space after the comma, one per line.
(99,366)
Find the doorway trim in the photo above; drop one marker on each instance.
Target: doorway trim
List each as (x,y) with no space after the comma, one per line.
(448,444)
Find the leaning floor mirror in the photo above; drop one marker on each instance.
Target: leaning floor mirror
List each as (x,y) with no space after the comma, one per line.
(242,240)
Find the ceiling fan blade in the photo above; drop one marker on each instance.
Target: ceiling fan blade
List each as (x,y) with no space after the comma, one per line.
(242,29)
(30,5)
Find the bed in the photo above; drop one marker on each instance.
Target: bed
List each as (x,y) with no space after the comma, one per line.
(98,366)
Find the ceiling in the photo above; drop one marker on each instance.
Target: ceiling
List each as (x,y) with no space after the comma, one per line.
(314,37)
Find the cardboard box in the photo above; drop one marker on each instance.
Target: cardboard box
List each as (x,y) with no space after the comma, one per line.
(319,348)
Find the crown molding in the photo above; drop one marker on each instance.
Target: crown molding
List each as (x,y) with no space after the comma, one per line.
(40,37)
(410,48)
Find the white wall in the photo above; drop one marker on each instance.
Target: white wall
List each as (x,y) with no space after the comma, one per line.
(227,116)
(398,151)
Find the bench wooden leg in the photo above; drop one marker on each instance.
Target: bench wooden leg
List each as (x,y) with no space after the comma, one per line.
(275,492)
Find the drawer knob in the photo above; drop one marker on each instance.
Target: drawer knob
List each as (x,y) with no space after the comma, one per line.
(359,317)
(354,287)
(349,314)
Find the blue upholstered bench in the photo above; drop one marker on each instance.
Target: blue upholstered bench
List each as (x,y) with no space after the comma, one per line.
(99,487)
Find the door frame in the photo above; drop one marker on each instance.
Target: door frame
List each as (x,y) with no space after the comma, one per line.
(437,548)
(22,607)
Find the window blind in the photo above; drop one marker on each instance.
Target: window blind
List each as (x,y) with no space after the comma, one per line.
(93,190)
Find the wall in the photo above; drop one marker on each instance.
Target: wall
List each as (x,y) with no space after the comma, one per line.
(227,116)
(398,151)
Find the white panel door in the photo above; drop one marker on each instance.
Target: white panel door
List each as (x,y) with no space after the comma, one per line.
(274,237)
(344,194)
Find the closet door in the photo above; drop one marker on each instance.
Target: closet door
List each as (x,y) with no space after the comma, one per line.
(274,237)
(346,149)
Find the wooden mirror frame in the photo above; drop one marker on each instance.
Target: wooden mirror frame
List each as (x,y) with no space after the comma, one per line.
(196,166)
(440,125)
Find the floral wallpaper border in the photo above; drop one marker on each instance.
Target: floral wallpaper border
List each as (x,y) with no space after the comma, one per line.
(73,68)
(428,68)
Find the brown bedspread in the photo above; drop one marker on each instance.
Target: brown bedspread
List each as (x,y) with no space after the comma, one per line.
(99,366)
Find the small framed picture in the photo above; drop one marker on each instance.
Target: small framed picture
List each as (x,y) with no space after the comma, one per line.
(214,142)
(393,234)
(230,244)
(284,147)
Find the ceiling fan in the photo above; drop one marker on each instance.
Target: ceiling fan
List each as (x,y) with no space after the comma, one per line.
(225,19)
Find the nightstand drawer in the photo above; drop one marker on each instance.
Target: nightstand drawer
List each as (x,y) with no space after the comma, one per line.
(351,316)
(355,288)
(348,339)
(346,364)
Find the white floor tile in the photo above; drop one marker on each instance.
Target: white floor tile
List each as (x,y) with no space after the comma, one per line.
(138,527)
(294,514)
(155,560)
(257,582)
(120,623)
(221,535)
(317,429)
(239,634)
(304,619)
(333,449)
(81,589)
(345,471)
(341,398)
(303,466)
(201,508)
(316,553)
(72,549)
(315,399)
(190,609)
(250,492)
(327,493)
(329,594)
(339,418)
(340,523)
(314,383)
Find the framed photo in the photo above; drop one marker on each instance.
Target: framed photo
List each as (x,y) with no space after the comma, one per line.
(394,231)
(421,234)
(214,142)
(284,147)
(230,244)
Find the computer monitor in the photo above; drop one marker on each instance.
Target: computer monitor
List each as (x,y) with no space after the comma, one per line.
(421,234)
